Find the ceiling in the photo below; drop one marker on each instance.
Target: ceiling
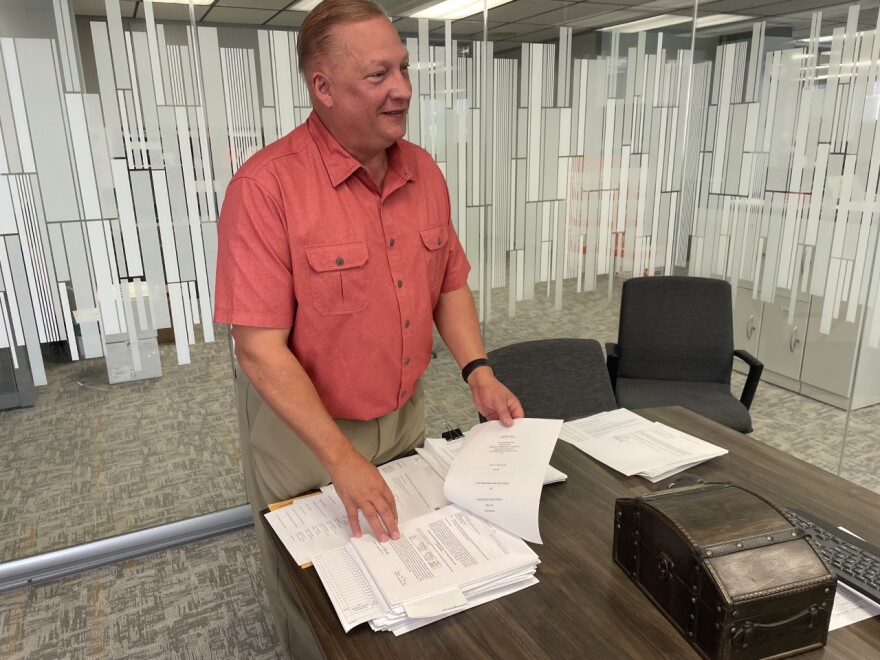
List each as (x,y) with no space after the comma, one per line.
(525,20)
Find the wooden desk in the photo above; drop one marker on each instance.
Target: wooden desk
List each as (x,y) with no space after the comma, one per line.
(584,606)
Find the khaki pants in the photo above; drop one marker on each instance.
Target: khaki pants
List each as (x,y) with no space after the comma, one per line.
(278,465)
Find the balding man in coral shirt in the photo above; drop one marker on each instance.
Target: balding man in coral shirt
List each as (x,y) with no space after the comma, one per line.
(336,257)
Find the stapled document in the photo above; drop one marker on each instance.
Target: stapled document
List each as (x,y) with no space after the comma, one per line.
(634,445)
(444,562)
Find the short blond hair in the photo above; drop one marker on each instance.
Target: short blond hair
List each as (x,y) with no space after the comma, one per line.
(315,34)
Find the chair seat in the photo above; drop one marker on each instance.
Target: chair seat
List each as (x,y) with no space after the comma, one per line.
(712,400)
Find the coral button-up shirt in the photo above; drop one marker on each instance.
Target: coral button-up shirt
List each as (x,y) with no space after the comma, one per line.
(307,241)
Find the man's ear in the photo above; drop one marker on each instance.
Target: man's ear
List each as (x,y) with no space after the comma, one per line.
(320,86)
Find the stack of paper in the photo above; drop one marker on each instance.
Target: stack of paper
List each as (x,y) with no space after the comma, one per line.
(634,445)
(461,533)
(439,453)
(443,563)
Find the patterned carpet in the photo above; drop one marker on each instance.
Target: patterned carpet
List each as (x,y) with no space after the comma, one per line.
(92,460)
(204,600)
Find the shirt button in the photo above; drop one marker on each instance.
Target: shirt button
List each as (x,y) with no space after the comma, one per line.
(403,394)
(406,324)
(339,261)
(391,242)
(439,241)
(406,360)
(399,284)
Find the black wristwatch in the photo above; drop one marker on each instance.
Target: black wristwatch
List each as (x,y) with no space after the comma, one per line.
(473,364)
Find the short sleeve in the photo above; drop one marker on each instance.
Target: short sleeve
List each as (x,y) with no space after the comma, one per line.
(254,284)
(457,266)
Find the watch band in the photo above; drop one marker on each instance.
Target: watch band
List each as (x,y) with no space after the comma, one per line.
(473,364)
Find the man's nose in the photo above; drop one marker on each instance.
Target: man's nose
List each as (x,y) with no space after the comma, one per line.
(402,87)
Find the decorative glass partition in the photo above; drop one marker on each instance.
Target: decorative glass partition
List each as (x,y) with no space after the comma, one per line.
(576,156)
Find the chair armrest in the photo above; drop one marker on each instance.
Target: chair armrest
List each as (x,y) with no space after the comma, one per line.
(612,360)
(756,367)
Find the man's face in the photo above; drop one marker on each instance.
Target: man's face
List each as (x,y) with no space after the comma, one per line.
(369,87)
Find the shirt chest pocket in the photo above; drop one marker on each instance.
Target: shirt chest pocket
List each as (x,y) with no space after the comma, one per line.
(435,240)
(338,276)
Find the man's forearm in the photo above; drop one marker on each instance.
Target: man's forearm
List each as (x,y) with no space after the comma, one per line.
(456,319)
(285,386)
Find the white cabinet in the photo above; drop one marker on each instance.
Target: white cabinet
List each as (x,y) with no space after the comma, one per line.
(798,356)
(747,313)
(781,342)
(831,359)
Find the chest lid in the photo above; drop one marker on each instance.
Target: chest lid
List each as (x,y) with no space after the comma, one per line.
(713,516)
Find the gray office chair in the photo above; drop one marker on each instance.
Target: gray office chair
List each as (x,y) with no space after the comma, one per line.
(556,378)
(675,348)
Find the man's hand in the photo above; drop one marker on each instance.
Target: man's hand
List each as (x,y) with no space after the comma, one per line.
(492,398)
(361,487)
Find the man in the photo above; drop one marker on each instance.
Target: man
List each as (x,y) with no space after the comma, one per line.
(336,252)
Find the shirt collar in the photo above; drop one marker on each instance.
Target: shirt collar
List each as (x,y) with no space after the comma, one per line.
(340,164)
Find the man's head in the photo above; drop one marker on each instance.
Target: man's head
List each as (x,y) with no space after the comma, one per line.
(356,70)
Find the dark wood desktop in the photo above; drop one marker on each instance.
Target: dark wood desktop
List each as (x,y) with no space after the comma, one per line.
(584,605)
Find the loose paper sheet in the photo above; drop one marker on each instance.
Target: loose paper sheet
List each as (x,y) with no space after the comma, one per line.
(499,471)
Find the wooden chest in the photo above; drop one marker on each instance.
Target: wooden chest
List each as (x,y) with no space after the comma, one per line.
(727,569)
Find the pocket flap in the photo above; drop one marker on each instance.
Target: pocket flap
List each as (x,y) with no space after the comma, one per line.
(434,238)
(340,256)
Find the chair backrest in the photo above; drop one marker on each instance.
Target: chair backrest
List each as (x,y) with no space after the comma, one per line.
(676,328)
(556,378)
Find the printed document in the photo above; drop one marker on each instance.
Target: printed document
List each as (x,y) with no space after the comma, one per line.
(499,471)
(634,445)
(439,453)
(851,607)
(312,524)
(444,562)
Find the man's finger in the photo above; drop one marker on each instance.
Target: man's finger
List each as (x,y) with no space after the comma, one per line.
(388,514)
(372,516)
(354,522)
(504,414)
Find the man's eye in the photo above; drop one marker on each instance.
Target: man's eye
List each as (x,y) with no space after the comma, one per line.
(377,75)
(405,69)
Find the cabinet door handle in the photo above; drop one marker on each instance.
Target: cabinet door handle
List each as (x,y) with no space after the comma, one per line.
(794,340)
(750,327)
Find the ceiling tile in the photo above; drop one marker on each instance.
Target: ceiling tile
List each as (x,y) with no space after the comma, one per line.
(514,30)
(401,8)
(237,15)
(291,19)
(521,10)
(799,7)
(615,17)
(573,13)
(255,4)
(734,6)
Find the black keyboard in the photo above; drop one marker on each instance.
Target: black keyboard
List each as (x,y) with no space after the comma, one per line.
(856,562)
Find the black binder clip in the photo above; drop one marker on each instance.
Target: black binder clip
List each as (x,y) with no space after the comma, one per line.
(451,433)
